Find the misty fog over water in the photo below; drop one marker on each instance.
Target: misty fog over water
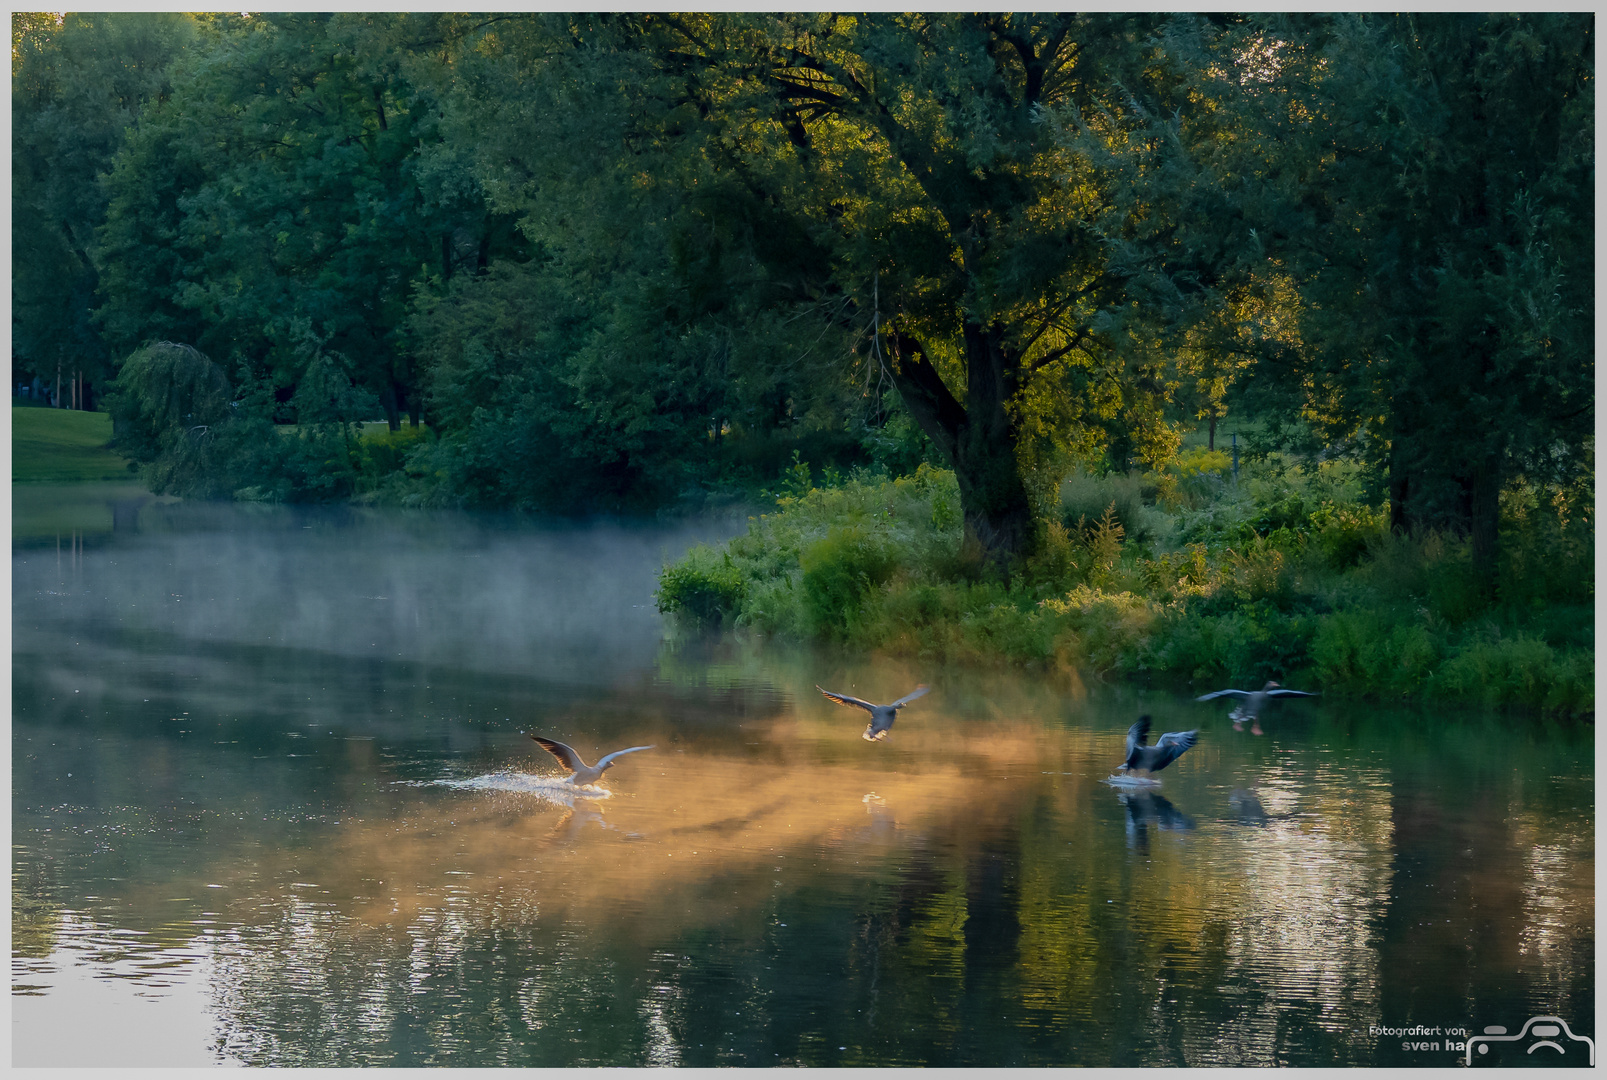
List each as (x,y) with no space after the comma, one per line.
(274,804)
(560,602)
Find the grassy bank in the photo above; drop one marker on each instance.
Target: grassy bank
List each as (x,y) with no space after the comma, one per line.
(63,446)
(1183,578)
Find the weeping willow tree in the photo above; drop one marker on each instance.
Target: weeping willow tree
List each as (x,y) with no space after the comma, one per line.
(176,413)
(166,402)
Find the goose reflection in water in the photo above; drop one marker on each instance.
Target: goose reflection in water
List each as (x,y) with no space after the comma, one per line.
(1247,809)
(882,822)
(575,821)
(1147,808)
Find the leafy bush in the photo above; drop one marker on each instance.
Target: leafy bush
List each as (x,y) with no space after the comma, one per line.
(1326,598)
(1548,546)
(838,571)
(384,453)
(1110,629)
(1373,650)
(705,586)
(1086,498)
(1343,533)
(1520,670)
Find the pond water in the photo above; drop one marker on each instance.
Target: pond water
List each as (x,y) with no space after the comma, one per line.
(274,804)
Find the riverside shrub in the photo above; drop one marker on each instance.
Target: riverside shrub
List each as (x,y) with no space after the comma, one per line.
(705,586)
(838,571)
(1329,602)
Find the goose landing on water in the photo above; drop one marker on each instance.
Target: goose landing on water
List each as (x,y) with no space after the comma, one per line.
(1152,759)
(583,773)
(1254,701)
(881,716)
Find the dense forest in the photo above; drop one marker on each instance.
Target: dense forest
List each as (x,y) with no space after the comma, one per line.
(646,262)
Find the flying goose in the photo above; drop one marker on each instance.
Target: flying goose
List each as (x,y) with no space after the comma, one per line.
(1254,702)
(881,716)
(583,773)
(1152,759)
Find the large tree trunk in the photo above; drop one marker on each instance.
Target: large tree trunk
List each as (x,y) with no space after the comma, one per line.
(1400,495)
(1484,516)
(387,401)
(978,439)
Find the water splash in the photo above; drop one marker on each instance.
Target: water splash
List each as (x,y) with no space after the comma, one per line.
(549,788)
(1139,782)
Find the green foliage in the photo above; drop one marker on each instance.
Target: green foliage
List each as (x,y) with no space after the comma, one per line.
(591,378)
(166,402)
(326,392)
(267,462)
(1520,669)
(1548,555)
(383,454)
(705,586)
(1195,477)
(76,87)
(173,413)
(272,198)
(1129,499)
(166,386)
(1326,598)
(837,572)
(1344,533)
(1408,289)
(872,518)
(1375,650)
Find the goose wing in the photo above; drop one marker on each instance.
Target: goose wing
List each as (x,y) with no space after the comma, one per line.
(1289,693)
(565,754)
(844,699)
(919,691)
(1137,735)
(1225,693)
(605,762)
(1170,747)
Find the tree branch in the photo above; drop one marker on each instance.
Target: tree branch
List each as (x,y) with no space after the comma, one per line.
(925,394)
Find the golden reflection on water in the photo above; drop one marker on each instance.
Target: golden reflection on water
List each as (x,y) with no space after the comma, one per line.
(1558,892)
(693,833)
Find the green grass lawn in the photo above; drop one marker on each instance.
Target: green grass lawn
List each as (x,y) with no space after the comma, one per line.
(63,445)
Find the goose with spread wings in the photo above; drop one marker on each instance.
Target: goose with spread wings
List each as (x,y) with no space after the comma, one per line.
(1254,701)
(1152,759)
(881,716)
(583,773)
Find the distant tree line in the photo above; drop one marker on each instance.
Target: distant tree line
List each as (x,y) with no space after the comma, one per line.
(615,260)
